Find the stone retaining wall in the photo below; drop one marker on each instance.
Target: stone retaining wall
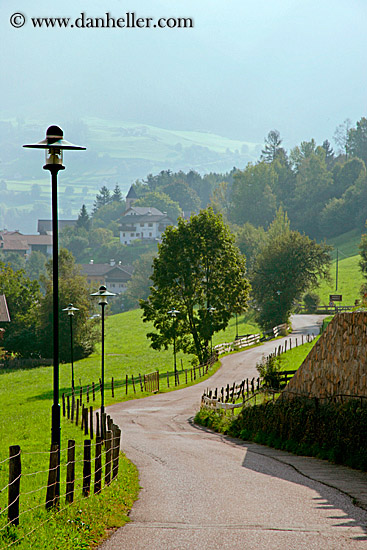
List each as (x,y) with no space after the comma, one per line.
(337,364)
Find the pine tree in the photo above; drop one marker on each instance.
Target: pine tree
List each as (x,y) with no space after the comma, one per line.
(117,195)
(102,198)
(83,218)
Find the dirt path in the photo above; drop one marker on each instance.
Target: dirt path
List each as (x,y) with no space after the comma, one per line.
(203,491)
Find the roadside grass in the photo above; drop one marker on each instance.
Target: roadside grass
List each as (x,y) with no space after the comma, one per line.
(25,420)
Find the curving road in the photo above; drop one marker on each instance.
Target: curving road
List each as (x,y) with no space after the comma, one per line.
(201,490)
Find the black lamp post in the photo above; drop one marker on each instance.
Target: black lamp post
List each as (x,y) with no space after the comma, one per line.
(173,312)
(54,145)
(102,293)
(211,311)
(70,309)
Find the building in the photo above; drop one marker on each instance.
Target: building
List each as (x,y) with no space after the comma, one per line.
(44,227)
(143,222)
(14,241)
(114,276)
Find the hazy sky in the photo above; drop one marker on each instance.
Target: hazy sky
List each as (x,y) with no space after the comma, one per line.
(246,67)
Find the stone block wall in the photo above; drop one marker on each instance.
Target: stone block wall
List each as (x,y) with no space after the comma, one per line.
(337,364)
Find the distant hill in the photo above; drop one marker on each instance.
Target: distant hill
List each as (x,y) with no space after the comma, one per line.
(117,152)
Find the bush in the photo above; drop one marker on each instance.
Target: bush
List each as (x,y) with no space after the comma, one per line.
(270,371)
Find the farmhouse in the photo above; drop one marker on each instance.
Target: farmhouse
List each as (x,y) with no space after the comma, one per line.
(143,222)
(113,276)
(14,241)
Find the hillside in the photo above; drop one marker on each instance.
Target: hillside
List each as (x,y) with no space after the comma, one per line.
(349,274)
(117,152)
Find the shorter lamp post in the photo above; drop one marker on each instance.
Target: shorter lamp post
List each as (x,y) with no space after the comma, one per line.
(211,311)
(173,312)
(70,310)
(102,294)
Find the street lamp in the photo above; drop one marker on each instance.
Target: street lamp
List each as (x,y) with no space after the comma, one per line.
(102,293)
(54,144)
(211,311)
(173,312)
(70,309)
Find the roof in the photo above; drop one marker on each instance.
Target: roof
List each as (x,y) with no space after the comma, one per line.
(126,222)
(100,270)
(4,312)
(39,239)
(131,194)
(45,226)
(142,211)
(13,240)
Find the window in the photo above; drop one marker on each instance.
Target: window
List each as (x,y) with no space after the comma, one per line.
(131,234)
(123,234)
(142,224)
(150,224)
(150,234)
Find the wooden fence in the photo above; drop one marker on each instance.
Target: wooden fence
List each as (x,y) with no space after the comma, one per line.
(251,339)
(95,471)
(225,398)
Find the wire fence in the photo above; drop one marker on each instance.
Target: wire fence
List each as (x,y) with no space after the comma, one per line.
(67,475)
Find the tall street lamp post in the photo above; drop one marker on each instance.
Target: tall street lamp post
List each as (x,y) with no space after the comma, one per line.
(173,312)
(54,144)
(70,309)
(102,294)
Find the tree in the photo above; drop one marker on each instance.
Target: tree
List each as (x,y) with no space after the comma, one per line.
(138,288)
(252,198)
(272,146)
(117,195)
(22,296)
(341,136)
(73,288)
(83,220)
(162,201)
(186,197)
(286,267)
(357,140)
(197,267)
(102,198)
(35,266)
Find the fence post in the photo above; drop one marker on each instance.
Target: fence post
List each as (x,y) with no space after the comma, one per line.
(167,380)
(52,496)
(70,472)
(98,467)
(77,412)
(88,393)
(85,420)
(91,422)
(81,394)
(108,442)
(133,381)
(93,391)
(15,472)
(112,387)
(98,432)
(63,405)
(72,407)
(141,382)
(103,425)
(115,450)
(126,383)
(68,406)
(87,467)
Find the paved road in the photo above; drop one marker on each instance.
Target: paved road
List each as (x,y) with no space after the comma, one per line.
(204,491)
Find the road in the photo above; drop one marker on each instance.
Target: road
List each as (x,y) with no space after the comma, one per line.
(202,490)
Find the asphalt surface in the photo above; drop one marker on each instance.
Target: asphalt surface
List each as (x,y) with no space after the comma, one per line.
(202,490)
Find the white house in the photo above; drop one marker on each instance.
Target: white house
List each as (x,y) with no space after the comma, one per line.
(143,222)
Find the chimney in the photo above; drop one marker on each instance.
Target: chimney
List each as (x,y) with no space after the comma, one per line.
(112,262)
(91,262)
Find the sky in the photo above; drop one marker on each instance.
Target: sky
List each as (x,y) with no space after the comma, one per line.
(245,68)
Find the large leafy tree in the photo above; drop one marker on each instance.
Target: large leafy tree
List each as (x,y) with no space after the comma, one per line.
(357,140)
(198,267)
(73,288)
(22,295)
(286,267)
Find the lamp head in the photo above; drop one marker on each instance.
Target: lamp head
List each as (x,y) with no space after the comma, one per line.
(102,293)
(54,144)
(173,312)
(70,309)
